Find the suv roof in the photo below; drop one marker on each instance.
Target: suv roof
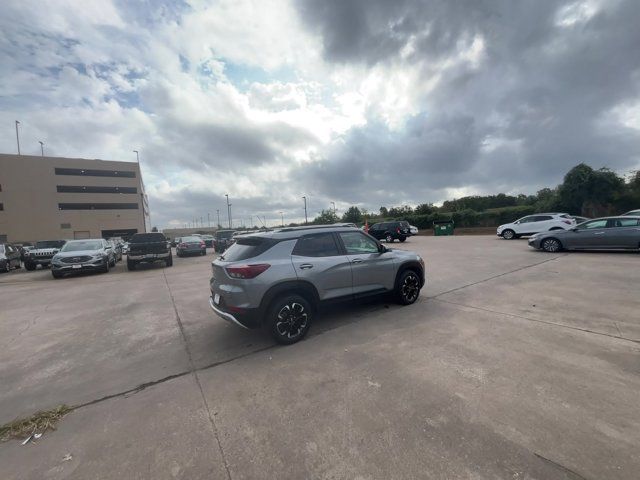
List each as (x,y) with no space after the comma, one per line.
(287,233)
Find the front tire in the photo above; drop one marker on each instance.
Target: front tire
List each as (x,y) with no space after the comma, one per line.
(388,238)
(551,245)
(408,288)
(508,234)
(107,264)
(30,266)
(289,319)
(402,239)
(169,261)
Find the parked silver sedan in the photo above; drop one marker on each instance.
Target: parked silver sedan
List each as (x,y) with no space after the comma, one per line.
(609,233)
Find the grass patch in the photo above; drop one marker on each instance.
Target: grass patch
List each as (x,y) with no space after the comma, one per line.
(39,422)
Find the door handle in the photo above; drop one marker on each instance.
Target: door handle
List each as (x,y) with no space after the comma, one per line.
(356,260)
(305,266)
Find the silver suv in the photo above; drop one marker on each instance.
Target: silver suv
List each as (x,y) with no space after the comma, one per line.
(277,279)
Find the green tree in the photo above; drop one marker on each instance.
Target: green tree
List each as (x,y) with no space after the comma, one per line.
(425,209)
(402,211)
(384,212)
(352,215)
(154,229)
(325,217)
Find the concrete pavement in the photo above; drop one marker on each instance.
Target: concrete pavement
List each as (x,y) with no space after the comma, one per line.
(513,364)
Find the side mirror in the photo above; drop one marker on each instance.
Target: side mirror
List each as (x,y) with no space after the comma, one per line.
(382,248)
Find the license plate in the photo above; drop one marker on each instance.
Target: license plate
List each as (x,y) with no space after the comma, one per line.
(216,299)
(76,266)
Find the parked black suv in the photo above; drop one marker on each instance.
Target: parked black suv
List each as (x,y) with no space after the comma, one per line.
(390,231)
(147,248)
(223,240)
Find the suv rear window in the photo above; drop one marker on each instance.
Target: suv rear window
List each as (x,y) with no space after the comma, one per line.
(147,238)
(247,247)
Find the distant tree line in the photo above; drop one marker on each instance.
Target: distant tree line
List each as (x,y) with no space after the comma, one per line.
(584,191)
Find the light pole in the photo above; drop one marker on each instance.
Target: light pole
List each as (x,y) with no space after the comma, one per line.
(201,222)
(218,213)
(228,209)
(209,219)
(305,211)
(41,147)
(137,156)
(17,136)
(282,217)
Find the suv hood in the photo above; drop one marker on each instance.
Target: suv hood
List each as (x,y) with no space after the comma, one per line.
(404,254)
(79,253)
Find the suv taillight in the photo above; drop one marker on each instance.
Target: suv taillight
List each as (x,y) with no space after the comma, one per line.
(202,244)
(182,245)
(568,222)
(247,271)
(398,229)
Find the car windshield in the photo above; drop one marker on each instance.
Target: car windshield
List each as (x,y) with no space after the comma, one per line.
(79,245)
(49,244)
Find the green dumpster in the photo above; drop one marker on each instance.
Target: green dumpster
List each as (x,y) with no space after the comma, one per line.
(442,227)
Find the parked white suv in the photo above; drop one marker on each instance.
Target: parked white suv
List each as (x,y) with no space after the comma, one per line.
(540,222)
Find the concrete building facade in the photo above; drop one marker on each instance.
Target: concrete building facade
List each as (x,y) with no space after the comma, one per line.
(50,198)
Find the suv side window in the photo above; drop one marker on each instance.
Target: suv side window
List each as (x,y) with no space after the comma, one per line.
(356,243)
(623,222)
(543,218)
(527,220)
(316,245)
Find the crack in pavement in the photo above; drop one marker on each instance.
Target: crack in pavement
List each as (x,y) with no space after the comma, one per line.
(498,276)
(559,466)
(193,370)
(546,322)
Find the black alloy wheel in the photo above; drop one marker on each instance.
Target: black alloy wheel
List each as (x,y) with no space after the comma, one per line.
(408,288)
(290,319)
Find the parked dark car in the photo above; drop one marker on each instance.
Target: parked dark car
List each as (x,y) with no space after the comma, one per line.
(94,255)
(390,231)
(42,253)
(609,233)
(208,240)
(191,246)
(9,257)
(148,248)
(223,240)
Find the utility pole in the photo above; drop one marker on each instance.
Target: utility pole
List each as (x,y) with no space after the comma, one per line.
(17,136)
(41,147)
(282,216)
(218,213)
(209,219)
(228,209)
(201,222)
(305,211)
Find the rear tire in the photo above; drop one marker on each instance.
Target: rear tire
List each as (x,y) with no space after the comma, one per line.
(408,287)
(388,238)
(169,261)
(508,234)
(289,319)
(402,239)
(131,265)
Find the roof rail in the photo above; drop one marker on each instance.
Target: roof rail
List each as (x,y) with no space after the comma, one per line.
(314,227)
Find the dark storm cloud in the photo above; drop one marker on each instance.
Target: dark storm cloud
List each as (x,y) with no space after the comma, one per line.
(537,101)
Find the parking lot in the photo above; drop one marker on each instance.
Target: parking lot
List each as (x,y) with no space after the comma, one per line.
(512,364)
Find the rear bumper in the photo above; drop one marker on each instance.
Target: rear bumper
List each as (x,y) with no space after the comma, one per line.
(248,319)
(148,257)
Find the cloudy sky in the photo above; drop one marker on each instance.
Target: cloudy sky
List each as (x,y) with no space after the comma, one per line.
(366,102)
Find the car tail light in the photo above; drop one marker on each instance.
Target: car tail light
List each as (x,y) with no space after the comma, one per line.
(247,271)
(182,245)
(398,229)
(568,222)
(202,244)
